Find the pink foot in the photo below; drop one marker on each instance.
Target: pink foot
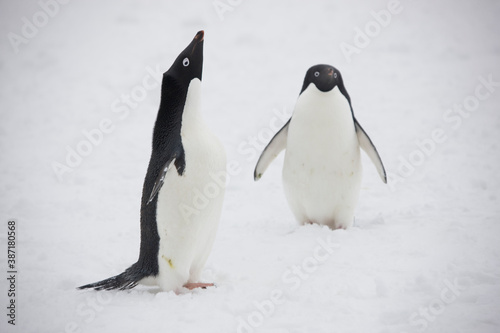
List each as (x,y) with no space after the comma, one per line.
(192,286)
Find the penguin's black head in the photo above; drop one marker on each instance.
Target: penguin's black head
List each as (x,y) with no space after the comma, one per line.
(324,77)
(189,63)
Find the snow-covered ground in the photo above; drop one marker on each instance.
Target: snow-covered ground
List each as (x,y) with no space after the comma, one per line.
(424,79)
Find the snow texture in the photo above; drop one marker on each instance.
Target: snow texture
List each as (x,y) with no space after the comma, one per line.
(423,255)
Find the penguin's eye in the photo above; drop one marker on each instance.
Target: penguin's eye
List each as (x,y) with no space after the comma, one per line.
(185,62)
(335,75)
(316,74)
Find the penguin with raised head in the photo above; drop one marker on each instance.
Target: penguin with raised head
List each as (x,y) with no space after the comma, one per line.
(179,219)
(322,166)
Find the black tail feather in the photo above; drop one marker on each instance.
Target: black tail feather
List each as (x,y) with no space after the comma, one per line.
(116,282)
(126,280)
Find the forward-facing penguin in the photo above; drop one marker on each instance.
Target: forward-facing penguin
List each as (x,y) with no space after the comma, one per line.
(322,167)
(179,216)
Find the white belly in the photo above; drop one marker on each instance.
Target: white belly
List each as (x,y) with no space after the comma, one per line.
(322,169)
(189,206)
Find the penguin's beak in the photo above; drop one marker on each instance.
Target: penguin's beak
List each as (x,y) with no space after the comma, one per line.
(199,36)
(330,72)
(197,40)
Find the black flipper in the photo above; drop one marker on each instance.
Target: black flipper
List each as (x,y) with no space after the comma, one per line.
(272,150)
(159,181)
(367,145)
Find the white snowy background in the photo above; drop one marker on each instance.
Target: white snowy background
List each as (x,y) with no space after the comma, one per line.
(424,253)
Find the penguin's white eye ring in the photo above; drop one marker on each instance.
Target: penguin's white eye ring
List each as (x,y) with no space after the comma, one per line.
(185,62)
(335,75)
(316,74)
